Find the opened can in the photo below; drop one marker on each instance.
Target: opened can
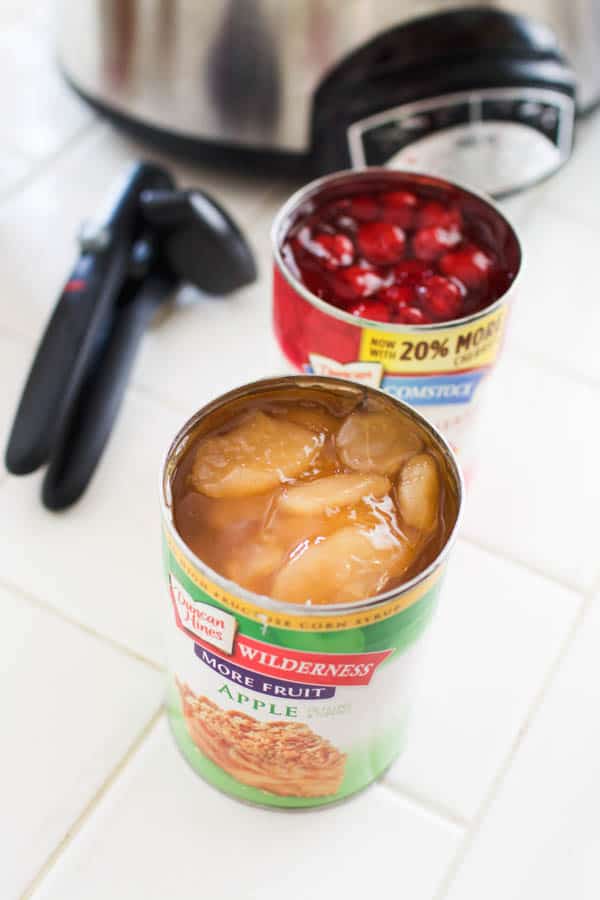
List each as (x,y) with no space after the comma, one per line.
(440,367)
(283,704)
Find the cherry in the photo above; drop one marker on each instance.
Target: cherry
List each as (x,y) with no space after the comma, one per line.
(398,295)
(333,250)
(410,271)
(317,284)
(411,315)
(441,298)
(399,207)
(371,309)
(430,243)
(363,207)
(436,215)
(402,294)
(333,209)
(471,265)
(355,282)
(381,242)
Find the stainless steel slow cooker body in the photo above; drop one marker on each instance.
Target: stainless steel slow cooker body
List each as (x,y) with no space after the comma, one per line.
(275,76)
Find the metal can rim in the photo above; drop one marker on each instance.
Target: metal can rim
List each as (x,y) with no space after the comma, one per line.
(282,218)
(262,600)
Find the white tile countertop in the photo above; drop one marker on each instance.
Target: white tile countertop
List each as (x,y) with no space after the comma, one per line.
(497,795)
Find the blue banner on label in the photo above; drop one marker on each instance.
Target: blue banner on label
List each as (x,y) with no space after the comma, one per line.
(433,390)
(274,687)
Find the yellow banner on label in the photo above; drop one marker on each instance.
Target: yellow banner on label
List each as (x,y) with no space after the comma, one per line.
(444,349)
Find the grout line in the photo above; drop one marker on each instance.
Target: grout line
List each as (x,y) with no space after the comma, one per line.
(38,170)
(87,812)
(76,623)
(426,804)
(529,567)
(503,771)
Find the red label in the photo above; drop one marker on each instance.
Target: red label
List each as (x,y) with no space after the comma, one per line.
(303,667)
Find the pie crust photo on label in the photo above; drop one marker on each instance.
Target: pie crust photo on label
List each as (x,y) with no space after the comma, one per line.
(284,758)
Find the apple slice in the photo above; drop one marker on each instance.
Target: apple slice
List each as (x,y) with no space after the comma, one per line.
(376,442)
(332,493)
(349,565)
(418,492)
(254,457)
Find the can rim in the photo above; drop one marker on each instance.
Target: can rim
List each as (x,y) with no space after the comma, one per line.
(282,220)
(262,600)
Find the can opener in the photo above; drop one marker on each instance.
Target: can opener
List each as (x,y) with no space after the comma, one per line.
(153,238)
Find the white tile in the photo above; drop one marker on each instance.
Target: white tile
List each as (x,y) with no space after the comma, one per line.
(39,112)
(556,315)
(536,492)
(161,832)
(100,560)
(493,639)
(540,838)
(15,358)
(74,188)
(518,207)
(33,13)
(71,708)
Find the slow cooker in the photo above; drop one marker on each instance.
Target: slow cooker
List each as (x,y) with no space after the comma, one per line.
(484,93)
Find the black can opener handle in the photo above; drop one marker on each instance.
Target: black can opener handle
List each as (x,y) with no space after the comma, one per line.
(54,367)
(79,325)
(84,436)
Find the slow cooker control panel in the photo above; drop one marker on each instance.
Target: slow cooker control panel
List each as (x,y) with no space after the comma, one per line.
(501,139)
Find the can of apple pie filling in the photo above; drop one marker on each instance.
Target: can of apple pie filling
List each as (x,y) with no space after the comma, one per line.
(290,705)
(440,367)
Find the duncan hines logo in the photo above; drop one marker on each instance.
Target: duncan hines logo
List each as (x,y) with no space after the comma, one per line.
(363,372)
(199,620)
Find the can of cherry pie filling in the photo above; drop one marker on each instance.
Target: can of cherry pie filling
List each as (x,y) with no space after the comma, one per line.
(282,704)
(400,281)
